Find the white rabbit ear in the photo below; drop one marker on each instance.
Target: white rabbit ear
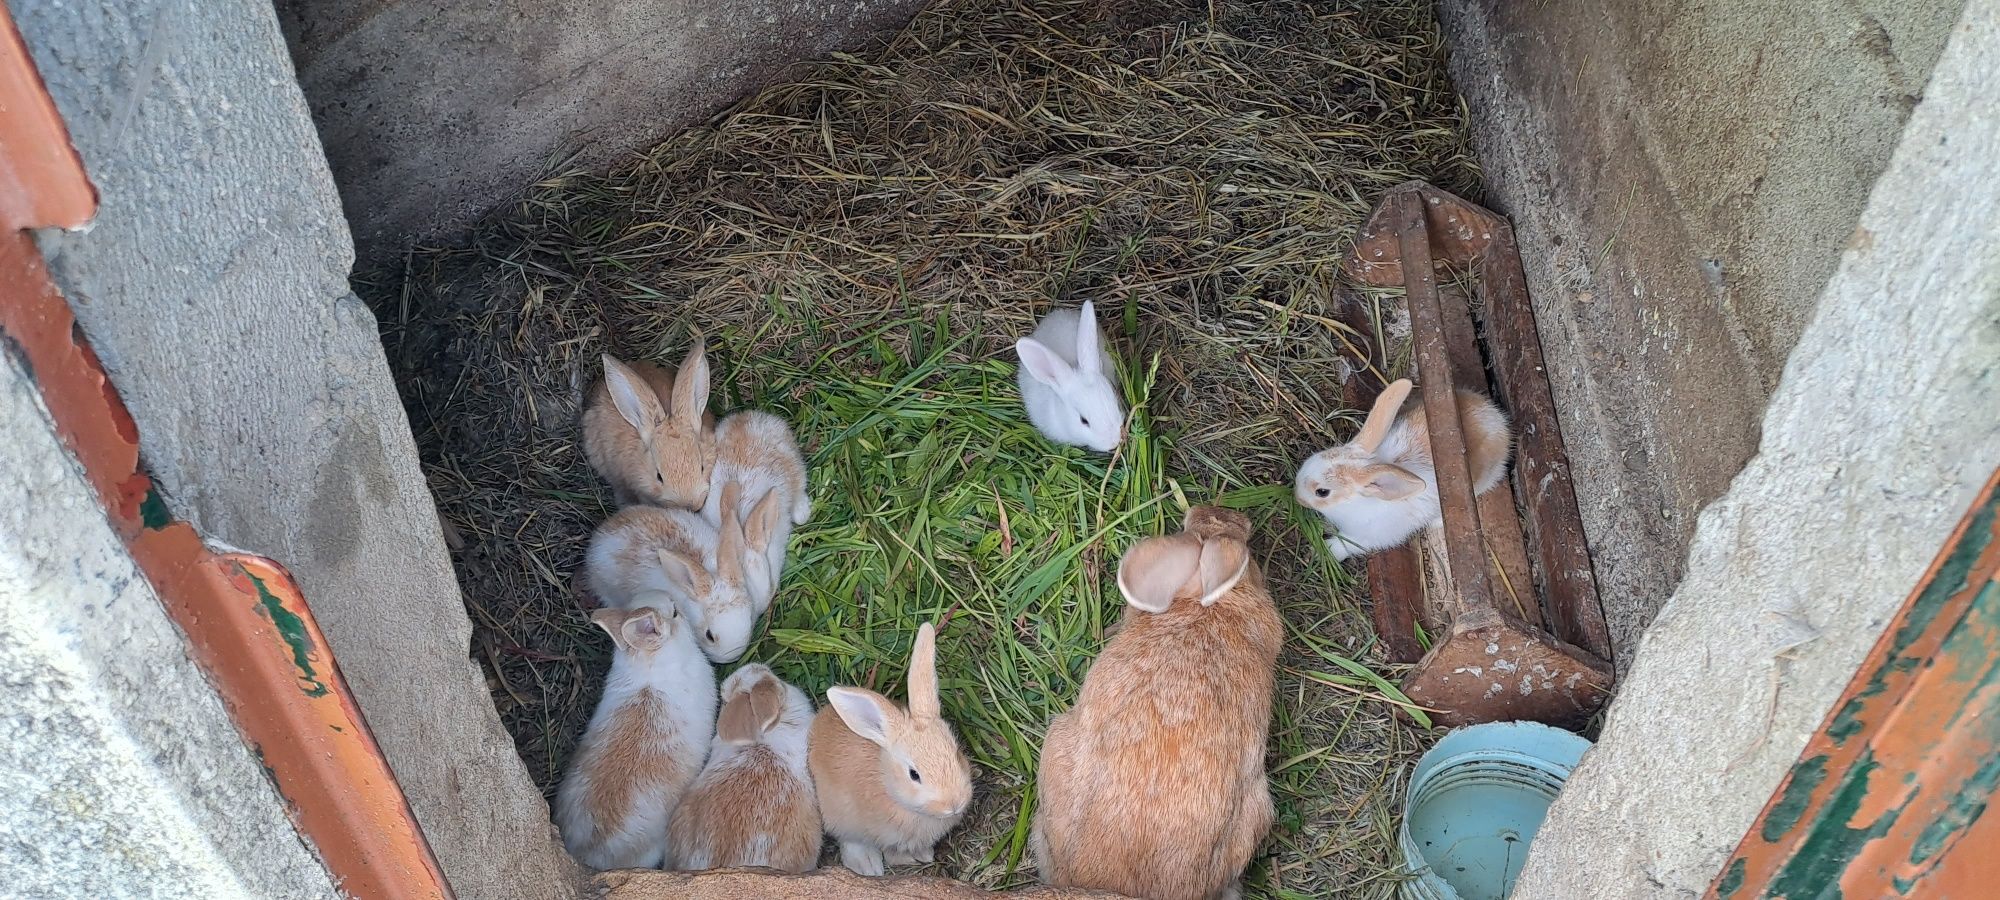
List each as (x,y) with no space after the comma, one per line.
(865,712)
(1155,571)
(1387,482)
(633,398)
(1089,358)
(687,573)
(923,675)
(1042,364)
(642,629)
(1382,415)
(691,386)
(1223,564)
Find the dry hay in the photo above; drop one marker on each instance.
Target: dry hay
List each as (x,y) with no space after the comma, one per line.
(861,245)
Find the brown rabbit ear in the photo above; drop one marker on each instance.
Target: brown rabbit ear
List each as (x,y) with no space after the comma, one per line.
(763,522)
(923,675)
(1387,482)
(612,620)
(691,386)
(686,573)
(1382,415)
(748,716)
(864,712)
(632,397)
(1156,570)
(729,544)
(1223,564)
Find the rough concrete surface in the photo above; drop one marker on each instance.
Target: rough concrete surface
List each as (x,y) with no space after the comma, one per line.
(1882,430)
(214,286)
(435,111)
(121,775)
(1682,178)
(823,884)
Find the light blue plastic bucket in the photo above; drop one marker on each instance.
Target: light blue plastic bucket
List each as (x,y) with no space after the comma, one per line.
(1475,802)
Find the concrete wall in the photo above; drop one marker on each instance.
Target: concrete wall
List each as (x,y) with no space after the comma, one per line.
(1683,177)
(214,286)
(121,775)
(1884,426)
(435,111)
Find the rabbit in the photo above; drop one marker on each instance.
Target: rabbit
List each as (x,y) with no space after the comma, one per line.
(1153,784)
(1381,487)
(1066,378)
(758,455)
(648,432)
(645,742)
(891,783)
(643,549)
(753,804)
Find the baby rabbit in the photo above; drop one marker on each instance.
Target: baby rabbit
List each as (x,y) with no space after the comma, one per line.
(757,455)
(651,450)
(645,743)
(1066,381)
(647,549)
(891,783)
(1381,487)
(753,804)
(1153,784)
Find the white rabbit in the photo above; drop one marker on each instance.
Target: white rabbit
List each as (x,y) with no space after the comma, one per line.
(643,549)
(759,467)
(753,804)
(1381,487)
(1066,381)
(645,742)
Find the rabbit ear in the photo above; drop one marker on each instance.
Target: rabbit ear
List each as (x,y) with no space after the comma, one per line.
(1382,415)
(751,714)
(642,630)
(691,386)
(634,399)
(864,712)
(686,573)
(1155,570)
(612,620)
(729,543)
(1042,364)
(763,522)
(1387,482)
(1223,564)
(923,675)
(1088,358)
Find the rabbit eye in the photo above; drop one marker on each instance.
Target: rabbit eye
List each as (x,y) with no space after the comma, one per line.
(710,634)
(1321,492)
(915,777)
(1086,421)
(659,478)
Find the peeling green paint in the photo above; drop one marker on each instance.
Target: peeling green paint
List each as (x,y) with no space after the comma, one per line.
(1967,803)
(1732,880)
(293,630)
(1785,814)
(153,511)
(1830,844)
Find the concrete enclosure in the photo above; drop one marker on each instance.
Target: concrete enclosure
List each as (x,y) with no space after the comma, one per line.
(434,112)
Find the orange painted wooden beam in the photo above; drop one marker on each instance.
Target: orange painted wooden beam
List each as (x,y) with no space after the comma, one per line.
(1890,799)
(247,625)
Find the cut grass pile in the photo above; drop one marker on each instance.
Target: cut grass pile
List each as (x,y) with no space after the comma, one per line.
(861,245)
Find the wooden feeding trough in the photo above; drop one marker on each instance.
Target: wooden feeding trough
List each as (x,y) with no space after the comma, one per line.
(1503,588)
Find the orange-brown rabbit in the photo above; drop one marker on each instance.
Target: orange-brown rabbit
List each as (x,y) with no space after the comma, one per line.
(1153,784)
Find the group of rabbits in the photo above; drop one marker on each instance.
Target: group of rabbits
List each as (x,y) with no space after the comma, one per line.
(1151,785)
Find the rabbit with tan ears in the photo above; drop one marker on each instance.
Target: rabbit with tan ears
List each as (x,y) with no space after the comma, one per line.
(1153,784)
(753,804)
(649,550)
(648,433)
(1380,488)
(891,781)
(760,473)
(1068,381)
(645,743)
